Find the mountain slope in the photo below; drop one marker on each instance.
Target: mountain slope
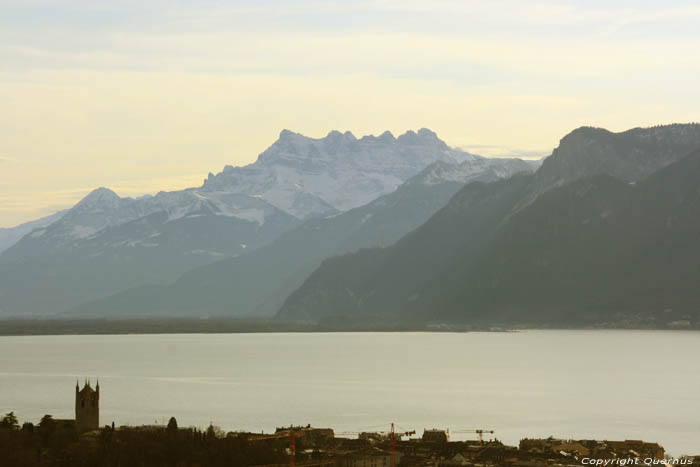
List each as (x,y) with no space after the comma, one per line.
(374,284)
(258,282)
(11,235)
(44,278)
(418,278)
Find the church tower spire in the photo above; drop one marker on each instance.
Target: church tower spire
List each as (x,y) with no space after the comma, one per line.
(87,407)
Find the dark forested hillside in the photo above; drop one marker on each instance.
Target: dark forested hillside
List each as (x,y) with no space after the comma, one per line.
(597,250)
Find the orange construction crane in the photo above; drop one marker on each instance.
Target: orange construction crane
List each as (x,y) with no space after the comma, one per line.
(478,432)
(391,434)
(291,434)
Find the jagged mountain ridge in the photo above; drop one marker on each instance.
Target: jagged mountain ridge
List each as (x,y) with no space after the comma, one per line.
(309,177)
(257,282)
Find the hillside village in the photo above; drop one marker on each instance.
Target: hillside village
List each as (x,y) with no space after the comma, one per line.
(64,442)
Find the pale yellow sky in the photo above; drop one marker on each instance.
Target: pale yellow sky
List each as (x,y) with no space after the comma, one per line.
(146,99)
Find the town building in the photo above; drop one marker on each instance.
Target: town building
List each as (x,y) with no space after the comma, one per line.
(435,436)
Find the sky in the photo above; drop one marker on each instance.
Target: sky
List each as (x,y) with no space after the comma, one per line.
(143,96)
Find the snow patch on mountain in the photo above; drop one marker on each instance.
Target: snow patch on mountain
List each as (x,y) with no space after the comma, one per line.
(480,168)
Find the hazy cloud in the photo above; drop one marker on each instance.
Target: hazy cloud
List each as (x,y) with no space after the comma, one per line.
(143,96)
(495,150)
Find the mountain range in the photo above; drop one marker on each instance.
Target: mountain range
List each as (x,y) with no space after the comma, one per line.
(106,243)
(388,230)
(604,231)
(256,283)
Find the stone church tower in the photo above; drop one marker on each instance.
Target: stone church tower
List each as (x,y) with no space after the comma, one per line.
(87,407)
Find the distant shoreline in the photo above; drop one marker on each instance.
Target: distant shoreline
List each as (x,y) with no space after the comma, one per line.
(38,327)
(50,327)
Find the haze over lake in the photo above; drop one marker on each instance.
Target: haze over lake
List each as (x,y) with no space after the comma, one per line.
(578,384)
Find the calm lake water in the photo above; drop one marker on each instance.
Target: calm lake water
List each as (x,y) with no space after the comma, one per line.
(579,384)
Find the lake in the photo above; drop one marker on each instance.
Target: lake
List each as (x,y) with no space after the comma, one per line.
(570,384)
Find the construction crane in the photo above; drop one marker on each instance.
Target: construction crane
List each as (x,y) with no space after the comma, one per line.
(479,432)
(291,434)
(391,434)
(392,442)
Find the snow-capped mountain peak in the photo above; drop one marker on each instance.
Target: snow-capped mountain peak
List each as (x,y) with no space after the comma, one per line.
(309,177)
(99,198)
